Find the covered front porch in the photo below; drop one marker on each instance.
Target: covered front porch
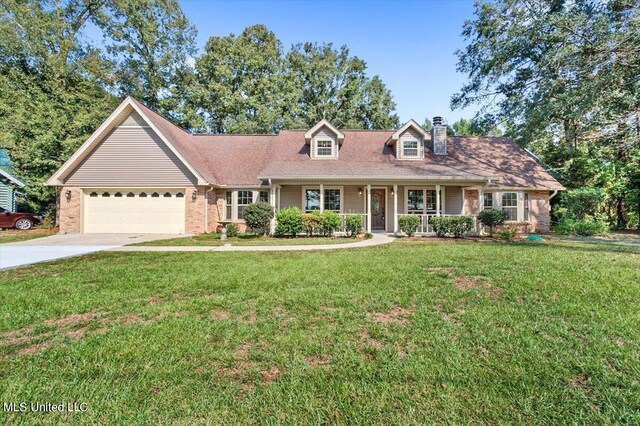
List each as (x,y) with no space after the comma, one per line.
(381,204)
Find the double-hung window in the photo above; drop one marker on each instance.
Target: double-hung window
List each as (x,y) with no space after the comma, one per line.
(228,197)
(510,205)
(415,201)
(263,196)
(244,199)
(324,148)
(410,149)
(488,200)
(526,207)
(332,199)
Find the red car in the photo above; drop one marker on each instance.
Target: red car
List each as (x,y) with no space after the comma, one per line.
(21,221)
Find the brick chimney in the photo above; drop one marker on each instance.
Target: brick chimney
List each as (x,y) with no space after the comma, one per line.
(439,137)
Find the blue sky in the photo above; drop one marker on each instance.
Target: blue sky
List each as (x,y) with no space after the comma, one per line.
(409,44)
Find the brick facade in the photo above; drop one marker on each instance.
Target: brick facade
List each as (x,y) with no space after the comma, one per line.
(195,210)
(70,210)
(471,202)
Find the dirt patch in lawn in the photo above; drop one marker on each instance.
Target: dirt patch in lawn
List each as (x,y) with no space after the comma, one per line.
(471,282)
(318,361)
(73,319)
(270,375)
(220,314)
(396,315)
(369,342)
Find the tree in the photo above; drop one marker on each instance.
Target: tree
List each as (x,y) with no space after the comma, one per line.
(241,84)
(334,85)
(564,79)
(491,218)
(475,127)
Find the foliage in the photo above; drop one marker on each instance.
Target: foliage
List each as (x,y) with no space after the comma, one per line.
(581,202)
(492,217)
(458,226)
(478,126)
(258,216)
(409,224)
(312,223)
(507,233)
(232,230)
(564,79)
(289,222)
(584,227)
(354,223)
(330,222)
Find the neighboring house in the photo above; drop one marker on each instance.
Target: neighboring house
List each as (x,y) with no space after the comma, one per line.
(140,173)
(8,186)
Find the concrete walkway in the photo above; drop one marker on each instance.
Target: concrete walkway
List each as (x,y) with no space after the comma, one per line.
(376,240)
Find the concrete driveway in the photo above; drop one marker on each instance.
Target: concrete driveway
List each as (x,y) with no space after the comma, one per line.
(69,245)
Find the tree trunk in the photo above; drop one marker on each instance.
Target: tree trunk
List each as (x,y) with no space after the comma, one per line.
(621,213)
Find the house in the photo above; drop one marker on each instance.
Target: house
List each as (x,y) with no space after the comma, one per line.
(8,183)
(140,173)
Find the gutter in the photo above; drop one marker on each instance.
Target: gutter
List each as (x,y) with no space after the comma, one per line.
(555,192)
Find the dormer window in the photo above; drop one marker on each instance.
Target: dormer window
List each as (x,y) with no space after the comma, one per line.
(324,148)
(410,148)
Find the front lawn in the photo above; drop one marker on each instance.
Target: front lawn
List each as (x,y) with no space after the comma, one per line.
(248,239)
(413,332)
(13,235)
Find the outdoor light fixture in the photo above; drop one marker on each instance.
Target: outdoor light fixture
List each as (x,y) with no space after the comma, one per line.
(67,194)
(359,191)
(194,194)
(393,192)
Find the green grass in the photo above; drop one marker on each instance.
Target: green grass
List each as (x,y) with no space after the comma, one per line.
(413,332)
(13,235)
(248,239)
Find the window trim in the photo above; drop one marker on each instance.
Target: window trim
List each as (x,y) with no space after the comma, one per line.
(520,204)
(317,187)
(233,206)
(424,190)
(318,148)
(403,149)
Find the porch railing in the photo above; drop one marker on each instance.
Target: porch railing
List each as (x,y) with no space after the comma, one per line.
(427,228)
(343,220)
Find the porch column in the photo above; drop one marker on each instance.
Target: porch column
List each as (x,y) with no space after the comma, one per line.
(321,198)
(395,209)
(272,201)
(480,199)
(437,200)
(369,208)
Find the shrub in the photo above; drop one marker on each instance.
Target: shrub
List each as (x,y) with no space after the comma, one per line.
(312,223)
(583,227)
(330,222)
(491,218)
(354,224)
(289,222)
(507,233)
(581,203)
(409,224)
(458,226)
(258,216)
(232,230)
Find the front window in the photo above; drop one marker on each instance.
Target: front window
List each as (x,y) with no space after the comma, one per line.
(324,148)
(431,201)
(229,204)
(244,199)
(410,148)
(510,205)
(332,200)
(415,201)
(526,207)
(263,196)
(488,201)
(312,200)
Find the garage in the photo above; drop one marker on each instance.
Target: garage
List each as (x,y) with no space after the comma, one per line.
(120,211)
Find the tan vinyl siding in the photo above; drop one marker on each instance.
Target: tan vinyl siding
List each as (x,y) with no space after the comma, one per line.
(352,202)
(131,156)
(324,134)
(401,197)
(290,196)
(134,119)
(453,199)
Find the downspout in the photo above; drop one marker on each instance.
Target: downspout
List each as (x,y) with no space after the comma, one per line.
(553,194)
(206,209)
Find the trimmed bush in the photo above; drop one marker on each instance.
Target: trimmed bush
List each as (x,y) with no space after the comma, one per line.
(584,227)
(232,230)
(507,233)
(491,218)
(330,222)
(289,222)
(458,226)
(354,224)
(409,224)
(258,216)
(312,223)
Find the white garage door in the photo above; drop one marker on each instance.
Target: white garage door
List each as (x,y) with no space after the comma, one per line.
(149,211)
